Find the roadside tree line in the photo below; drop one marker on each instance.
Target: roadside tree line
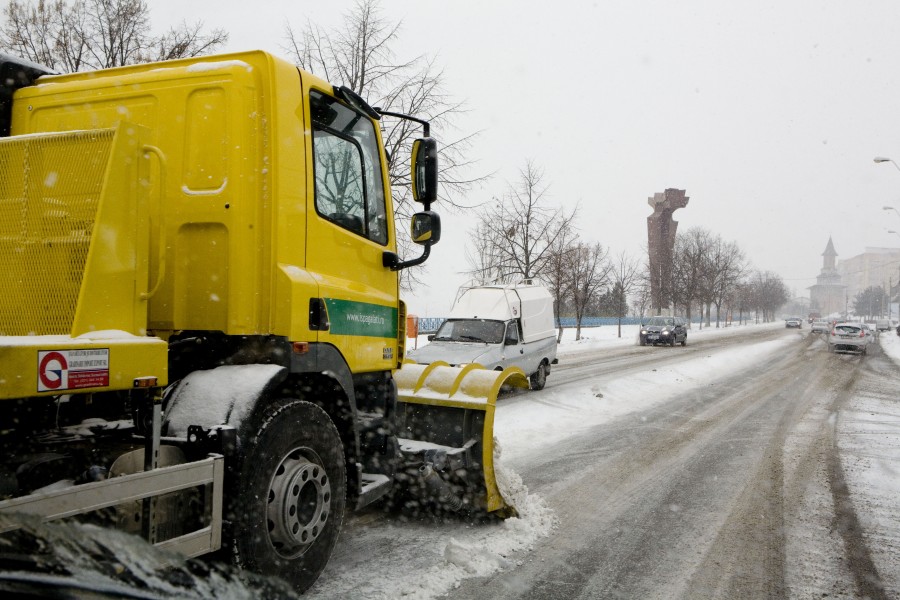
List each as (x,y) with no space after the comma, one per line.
(523,235)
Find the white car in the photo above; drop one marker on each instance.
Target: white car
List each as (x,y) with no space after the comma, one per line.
(852,337)
(820,327)
(794,322)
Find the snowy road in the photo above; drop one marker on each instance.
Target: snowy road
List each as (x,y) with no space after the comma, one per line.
(756,465)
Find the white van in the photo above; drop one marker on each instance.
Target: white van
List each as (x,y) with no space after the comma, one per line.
(498,326)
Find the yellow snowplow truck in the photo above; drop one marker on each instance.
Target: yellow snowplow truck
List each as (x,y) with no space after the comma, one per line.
(201,335)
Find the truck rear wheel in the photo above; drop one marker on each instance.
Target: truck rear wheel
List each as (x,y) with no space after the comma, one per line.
(288,496)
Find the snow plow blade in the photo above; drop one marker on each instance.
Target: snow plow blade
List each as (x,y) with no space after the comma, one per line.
(446,415)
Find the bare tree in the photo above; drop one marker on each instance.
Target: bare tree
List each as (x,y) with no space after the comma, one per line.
(188,40)
(768,294)
(624,276)
(94,34)
(360,54)
(557,274)
(522,229)
(641,296)
(482,255)
(868,303)
(589,275)
(691,249)
(728,264)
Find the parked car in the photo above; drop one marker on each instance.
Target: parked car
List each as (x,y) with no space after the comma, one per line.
(664,330)
(820,327)
(849,337)
(883,324)
(794,322)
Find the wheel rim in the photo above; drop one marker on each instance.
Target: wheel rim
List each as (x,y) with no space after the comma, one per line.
(299,503)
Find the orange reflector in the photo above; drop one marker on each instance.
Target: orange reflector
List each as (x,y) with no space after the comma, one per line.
(300,347)
(145,382)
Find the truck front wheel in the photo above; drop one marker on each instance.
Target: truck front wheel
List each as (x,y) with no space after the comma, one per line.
(286,502)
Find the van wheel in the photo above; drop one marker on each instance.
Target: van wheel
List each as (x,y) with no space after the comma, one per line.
(286,499)
(684,342)
(539,377)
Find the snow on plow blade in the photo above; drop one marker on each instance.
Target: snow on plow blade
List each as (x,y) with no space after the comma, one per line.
(446,416)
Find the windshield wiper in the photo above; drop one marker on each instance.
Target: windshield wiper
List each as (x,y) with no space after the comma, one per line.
(471,338)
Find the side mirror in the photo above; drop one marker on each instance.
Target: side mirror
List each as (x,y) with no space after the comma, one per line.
(425,227)
(424,176)
(425,230)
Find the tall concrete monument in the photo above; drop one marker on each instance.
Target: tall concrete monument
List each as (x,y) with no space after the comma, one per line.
(661,230)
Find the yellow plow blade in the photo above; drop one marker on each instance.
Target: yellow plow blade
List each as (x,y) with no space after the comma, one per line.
(447,432)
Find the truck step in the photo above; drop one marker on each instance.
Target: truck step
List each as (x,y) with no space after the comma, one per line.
(374,486)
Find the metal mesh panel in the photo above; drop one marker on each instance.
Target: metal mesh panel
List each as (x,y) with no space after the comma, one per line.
(49,193)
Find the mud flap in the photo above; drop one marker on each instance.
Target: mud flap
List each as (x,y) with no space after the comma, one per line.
(446,417)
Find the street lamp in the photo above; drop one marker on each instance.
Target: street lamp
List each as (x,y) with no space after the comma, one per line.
(882,159)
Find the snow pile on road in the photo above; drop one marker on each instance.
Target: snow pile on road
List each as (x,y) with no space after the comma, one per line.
(484,551)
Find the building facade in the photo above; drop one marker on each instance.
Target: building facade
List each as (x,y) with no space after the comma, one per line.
(829,295)
(876,267)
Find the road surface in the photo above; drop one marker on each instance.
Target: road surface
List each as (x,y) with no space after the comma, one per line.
(737,489)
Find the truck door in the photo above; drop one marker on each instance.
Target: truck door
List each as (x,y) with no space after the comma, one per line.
(349,229)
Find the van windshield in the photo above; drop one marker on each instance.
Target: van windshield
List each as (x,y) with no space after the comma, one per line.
(471,330)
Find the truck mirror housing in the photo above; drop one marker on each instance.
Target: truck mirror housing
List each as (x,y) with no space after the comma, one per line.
(424,175)
(425,230)
(426,227)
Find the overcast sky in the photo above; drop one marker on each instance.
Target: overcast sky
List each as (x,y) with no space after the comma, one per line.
(767,113)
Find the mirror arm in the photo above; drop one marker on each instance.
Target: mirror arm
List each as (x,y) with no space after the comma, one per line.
(391,260)
(426,127)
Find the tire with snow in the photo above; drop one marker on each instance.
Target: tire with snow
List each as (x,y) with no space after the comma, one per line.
(286,498)
(539,378)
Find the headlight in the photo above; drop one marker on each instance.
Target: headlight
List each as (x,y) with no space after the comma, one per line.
(665,332)
(643,332)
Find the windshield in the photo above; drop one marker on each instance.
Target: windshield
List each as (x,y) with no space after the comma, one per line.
(471,330)
(349,186)
(847,329)
(661,321)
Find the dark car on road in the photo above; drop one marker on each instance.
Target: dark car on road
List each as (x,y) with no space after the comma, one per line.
(664,330)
